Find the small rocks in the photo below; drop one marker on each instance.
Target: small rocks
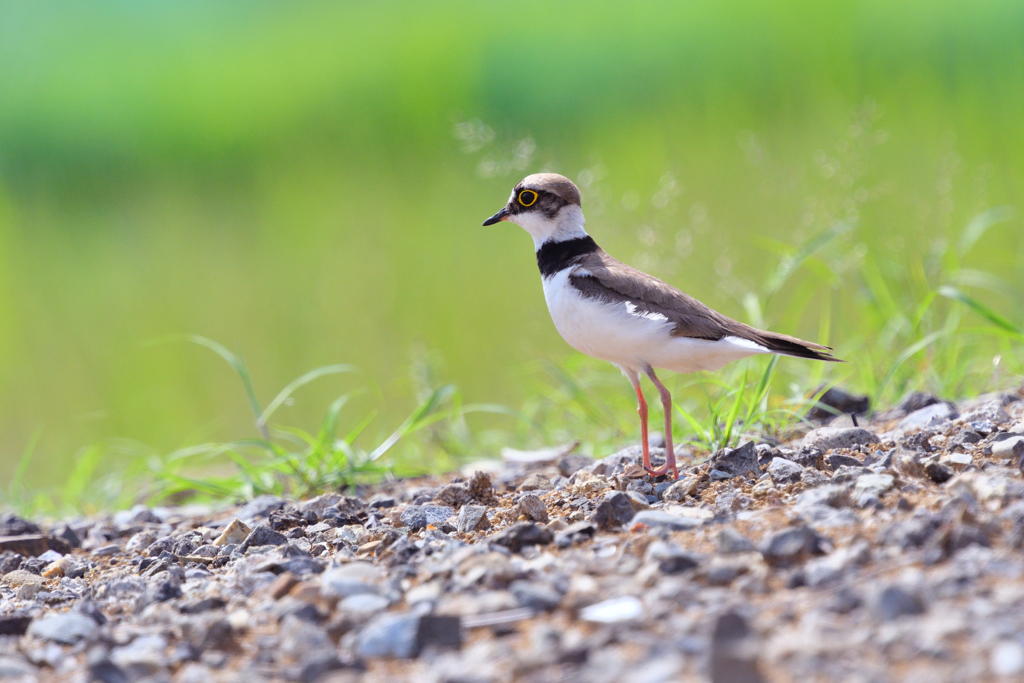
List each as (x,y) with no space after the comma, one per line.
(535,482)
(733,651)
(67,628)
(522,534)
(473,518)
(926,417)
(784,471)
(234,533)
(1009,449)
(587,573)
(731,541)
(736,462)
(870,486)
(614,510)
(791,546)
(657,518)
(262,535)
(893,602)
(532,508)
(679,490)
(404,636)
(829,438)
(420,516)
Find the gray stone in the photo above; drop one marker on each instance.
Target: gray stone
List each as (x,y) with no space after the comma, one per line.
(522,534)
(834,438)
(15,668)
(354,578)
(926,417)
(677,491)
(404,636)
(837,401)
(533,508)
(837,460)
(1007,659)
(832,496)
(736,462)
(363,604)
(831,568)
(638,500)
(454,495)
(143,657)
(572,463)
(658,518)
(670,558)
(261,506)
(731,541)
(733,651)
(67,628)
(784,471)
(870,485)
(614,510)
(575,533)
(300,639)
(938,472)
(418,517)
(893,602)
(473,518)
(536,595)
(535,482)
(790,545)
(263,535)
(1009,449)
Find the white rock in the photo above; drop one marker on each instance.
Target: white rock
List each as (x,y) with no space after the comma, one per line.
(1007,659)
(613,611)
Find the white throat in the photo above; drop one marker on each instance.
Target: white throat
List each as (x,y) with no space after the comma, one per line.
(568,224)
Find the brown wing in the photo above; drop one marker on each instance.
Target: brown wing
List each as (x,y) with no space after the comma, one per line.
(614,282)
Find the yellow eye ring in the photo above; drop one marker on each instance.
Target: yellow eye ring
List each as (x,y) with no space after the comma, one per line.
(527,195)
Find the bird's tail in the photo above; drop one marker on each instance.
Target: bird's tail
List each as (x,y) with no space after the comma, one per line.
(791,346)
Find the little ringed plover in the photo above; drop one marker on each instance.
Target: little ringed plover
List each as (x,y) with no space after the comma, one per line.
(608,310)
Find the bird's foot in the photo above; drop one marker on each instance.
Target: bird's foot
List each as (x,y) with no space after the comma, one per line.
(671,465)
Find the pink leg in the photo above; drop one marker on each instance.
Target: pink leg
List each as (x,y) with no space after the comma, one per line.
(641,407)
(666,402)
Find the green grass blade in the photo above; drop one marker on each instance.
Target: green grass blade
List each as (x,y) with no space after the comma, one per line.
(239,366)
(295,384)
(951,292)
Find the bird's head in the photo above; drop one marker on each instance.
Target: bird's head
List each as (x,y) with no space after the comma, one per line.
(546,205)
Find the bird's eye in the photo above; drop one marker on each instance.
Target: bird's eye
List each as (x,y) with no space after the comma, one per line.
(527,197)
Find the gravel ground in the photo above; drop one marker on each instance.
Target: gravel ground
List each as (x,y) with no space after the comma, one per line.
(885,552)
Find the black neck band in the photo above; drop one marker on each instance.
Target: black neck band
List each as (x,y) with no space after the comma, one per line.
(555,256)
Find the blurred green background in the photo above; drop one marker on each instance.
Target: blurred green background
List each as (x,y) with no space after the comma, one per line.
(305,183)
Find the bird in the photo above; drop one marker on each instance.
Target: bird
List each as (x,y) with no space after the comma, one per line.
(611,311)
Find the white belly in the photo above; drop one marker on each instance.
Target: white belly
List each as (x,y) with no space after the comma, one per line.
(631,340)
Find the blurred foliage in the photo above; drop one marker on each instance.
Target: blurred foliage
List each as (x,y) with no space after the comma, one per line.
(305,182)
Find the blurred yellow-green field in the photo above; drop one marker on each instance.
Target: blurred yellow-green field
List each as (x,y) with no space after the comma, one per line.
(305,183)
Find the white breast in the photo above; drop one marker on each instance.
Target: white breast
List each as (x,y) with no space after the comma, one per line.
(630,338)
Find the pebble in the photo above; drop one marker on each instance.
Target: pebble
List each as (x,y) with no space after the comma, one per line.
(67,628)
(657,518)
(521,535)
(473,518)
(828,438)
(735,462)
(613,611)
(933,414)
(677,491)
(1007,659)
(418,517)
(535,482)
(1009,449)
(614,510)
(532,508)
(234,533)
(893,602)
(784,471)
(622,576)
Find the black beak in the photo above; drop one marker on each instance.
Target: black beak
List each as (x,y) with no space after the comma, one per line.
(498,217)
